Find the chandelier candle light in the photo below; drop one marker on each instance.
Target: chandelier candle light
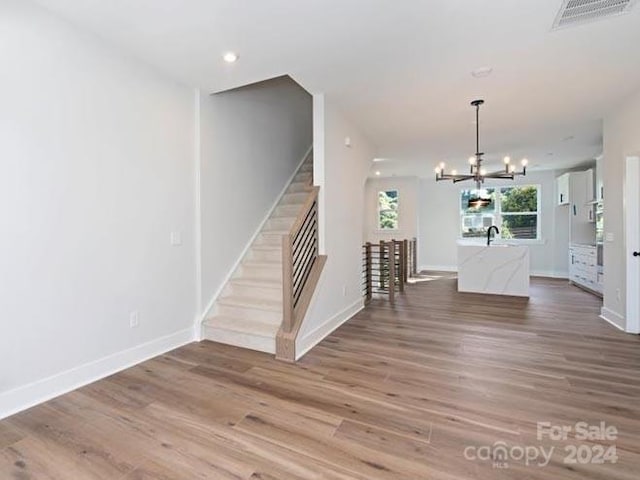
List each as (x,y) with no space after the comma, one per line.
(476,172)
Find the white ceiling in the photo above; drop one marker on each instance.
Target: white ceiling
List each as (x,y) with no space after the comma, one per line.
(401,69)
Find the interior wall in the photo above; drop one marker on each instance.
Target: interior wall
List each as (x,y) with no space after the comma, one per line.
(407,208)
(439,226)
(621,139)
(251,141)
(341,172)
(97,154)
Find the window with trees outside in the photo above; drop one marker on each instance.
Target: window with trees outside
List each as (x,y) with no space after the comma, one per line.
(514,210)
(388,210)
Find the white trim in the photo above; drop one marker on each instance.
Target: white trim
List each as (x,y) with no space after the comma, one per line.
(612,317)
(319,164)
(632,242)
(245,250)
(438,268)
(198,212)
(27,396)
(549,274)
(314,337)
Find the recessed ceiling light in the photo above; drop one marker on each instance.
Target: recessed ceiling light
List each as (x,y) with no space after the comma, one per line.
(481,72)
(379,159)
(377,173)
(230,57)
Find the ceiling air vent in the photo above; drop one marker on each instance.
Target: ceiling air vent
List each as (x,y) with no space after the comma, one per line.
(575,12)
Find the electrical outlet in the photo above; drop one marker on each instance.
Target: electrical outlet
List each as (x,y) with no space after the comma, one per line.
(134,319)
(610,237)
(344,290)
(618,296)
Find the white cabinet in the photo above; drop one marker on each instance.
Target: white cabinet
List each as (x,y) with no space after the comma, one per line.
(589,210)
(562,187)
(581,215)
(599,179)
(583,267)
(590,191)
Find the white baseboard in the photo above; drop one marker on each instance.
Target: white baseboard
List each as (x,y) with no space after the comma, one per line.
(21,398)
(314,337)
(438,268)
(550,274)
(612,317)
(534,273)
(246,248)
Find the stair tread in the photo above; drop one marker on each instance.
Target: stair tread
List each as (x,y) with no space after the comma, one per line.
(266,247)
(257,282)
(252,303)
(296,194)
(261,263)
(243,325)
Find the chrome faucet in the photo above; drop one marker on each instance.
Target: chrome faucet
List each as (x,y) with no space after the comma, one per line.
(491,228)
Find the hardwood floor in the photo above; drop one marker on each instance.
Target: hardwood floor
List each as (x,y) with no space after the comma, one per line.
(396,393)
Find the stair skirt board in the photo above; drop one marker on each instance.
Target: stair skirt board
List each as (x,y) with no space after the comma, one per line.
(248,309)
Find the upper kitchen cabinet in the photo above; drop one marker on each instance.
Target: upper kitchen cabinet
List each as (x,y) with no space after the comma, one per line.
(576,189)
(600,179)
(562,187)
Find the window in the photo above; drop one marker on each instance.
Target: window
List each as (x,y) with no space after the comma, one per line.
(515,210)
(388,210)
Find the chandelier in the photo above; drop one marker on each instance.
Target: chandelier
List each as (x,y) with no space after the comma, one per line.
(477,172)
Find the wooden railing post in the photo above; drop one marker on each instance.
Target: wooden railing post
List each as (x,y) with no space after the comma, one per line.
(415,256)
(405,260)
(392,272)
(287,283)
(400,273)
(368,274)
(381,264)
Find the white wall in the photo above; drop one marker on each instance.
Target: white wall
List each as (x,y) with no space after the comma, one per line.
(407,208)
(252,140)
(439,225)
(97,155)
(621,139)
(341,172)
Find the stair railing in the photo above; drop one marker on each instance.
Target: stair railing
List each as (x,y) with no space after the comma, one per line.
(301,268)
(386,268)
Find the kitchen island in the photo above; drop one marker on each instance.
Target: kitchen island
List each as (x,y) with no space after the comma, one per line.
(494,269)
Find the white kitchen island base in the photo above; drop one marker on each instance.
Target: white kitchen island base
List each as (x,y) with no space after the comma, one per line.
(495,269)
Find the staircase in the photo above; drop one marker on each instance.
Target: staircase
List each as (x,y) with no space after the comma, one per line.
(249,311)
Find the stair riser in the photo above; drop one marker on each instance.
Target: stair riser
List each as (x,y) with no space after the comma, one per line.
(270,240)
(281,223)
(299,187)
(305,177)
(286,211)
(266,255)
(270,273)
(293,198)
(266,316)
(244,340)
(256,292)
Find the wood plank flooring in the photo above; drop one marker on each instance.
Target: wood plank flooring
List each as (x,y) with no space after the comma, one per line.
(396,393)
